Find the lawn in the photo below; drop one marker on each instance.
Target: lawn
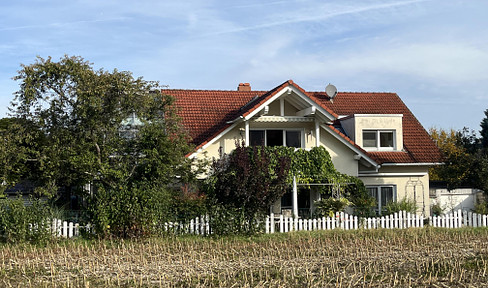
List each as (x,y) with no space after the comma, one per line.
(380,258)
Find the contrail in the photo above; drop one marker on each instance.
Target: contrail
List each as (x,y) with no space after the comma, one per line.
(316,18)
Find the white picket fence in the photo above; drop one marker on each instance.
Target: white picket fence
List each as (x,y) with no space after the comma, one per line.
(459,218)
(341,220)
(64,229)
(197,226)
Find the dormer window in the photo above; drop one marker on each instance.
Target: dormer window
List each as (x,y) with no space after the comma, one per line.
(379,139)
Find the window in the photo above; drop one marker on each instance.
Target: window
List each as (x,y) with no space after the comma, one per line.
(274,137)
(379,139)
(256,138)
(383,195)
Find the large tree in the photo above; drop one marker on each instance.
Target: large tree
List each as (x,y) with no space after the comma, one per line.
(465,163)
(458,161)
(484,130)
(95,126)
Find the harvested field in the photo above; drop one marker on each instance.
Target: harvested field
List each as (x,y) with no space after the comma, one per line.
(383,258)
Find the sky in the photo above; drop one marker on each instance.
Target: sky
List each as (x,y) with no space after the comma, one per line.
(433,54)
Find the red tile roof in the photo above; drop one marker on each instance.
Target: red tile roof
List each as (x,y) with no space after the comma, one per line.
(206,114)
(417,143)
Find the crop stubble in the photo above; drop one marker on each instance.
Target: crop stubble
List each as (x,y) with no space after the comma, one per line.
(384,258)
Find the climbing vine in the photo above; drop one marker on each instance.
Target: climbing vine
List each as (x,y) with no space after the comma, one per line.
(281,164)
(315,166)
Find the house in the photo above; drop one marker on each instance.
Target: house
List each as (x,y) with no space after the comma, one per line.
(373,136)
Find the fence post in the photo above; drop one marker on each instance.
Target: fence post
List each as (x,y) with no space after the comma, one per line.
(460,218)
(201,226)
(281,223)
(272,224)
(341,219)
(400,219)
(266,225)
(70,230)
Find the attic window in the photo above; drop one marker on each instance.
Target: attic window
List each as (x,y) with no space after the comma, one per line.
(379,139)
(275,137)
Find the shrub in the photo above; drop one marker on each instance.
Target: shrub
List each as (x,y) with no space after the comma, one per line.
(329,206)
(188,203)
(481,208)
(249,181)
(130,211)
(21,223)
(436,210)
(405,204)
(229,220)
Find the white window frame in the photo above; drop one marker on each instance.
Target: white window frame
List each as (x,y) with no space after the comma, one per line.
(301,130)
(378,144)
(379,208)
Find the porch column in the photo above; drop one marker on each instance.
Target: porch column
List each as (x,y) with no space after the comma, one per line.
(295,198)
(317,133)
(246,125)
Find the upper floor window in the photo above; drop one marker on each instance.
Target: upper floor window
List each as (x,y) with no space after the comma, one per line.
(275,137)
(379,139)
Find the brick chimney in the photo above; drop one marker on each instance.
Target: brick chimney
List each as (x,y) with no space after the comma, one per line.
(244,87)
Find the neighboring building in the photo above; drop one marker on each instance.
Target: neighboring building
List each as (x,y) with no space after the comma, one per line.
(373,136)
(462,198)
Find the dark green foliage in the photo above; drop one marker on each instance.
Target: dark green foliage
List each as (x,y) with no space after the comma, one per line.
(231,220)
(187,203)
(77,129)
(21,223)
(129,212)
(18,139)
(249,181)
(484,130)
(436,210)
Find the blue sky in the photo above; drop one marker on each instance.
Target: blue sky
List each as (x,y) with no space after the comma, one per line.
(434,54)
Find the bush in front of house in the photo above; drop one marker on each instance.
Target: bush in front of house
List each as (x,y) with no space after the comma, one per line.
(243,185)
(24,223)
(327,207)
(405,204)
(129,211)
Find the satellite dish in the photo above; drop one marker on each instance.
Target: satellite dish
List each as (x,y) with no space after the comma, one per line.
(331,91)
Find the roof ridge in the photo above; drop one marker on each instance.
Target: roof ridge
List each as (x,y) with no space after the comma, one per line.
(213,90)
(355,92)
